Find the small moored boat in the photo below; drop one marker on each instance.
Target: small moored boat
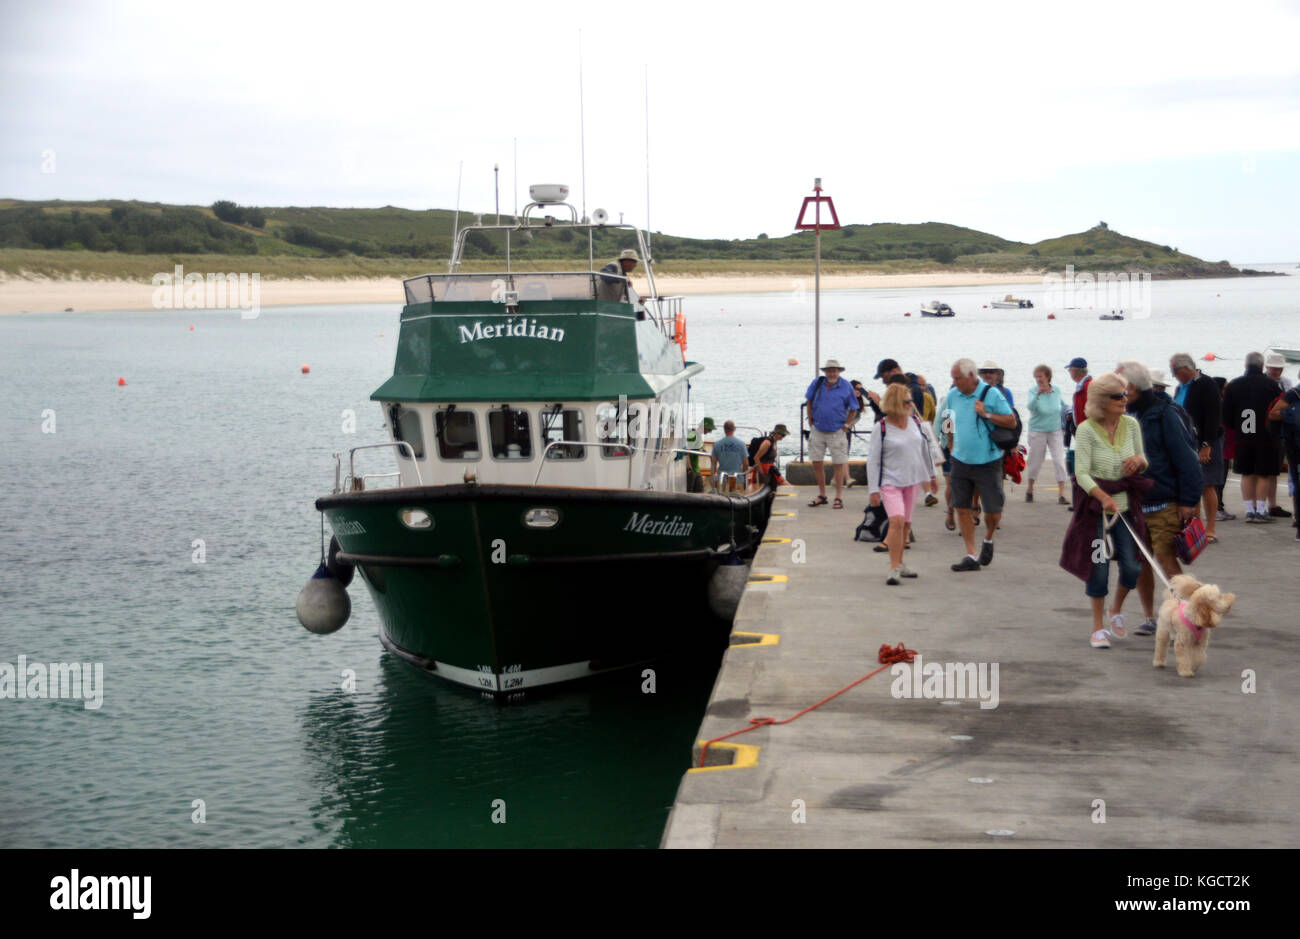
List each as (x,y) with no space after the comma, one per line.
(935,308)
(1012,303)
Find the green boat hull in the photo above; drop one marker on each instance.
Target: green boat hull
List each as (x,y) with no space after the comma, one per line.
(484,600)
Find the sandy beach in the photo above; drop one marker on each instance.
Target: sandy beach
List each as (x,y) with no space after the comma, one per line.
(45,295)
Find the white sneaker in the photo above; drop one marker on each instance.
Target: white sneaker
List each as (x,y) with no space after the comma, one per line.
(1099,639)
(892,579)
(905,571)
(1117,627)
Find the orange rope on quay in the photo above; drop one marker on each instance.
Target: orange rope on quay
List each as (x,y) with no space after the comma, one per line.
(888,655)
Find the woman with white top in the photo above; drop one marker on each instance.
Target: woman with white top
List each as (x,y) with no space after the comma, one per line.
(903,458)
(1045,432)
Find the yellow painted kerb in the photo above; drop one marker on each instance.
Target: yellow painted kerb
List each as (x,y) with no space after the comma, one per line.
(746,757)
(765,639)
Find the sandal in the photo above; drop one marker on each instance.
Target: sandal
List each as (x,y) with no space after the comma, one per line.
(839,503)
(1211,539)
(820,500)
(949,523)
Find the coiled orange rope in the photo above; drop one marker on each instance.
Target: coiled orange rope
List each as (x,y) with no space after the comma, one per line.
(887,656)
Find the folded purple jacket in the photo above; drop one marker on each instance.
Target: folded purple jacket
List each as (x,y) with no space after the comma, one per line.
(1077,549)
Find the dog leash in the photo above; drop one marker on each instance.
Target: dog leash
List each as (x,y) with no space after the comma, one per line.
(1155,565)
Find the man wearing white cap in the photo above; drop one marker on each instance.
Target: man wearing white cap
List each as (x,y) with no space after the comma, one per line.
(1273,365)
(616,277)
(832,411)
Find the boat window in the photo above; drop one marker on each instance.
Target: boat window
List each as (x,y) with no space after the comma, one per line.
(508,429)
(405,423)
(457,434)
(607,431)
(561,423)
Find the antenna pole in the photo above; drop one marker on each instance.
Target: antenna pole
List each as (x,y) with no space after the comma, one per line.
(496,188)
(582,131)
(647,166)
(455,225)
(516,179)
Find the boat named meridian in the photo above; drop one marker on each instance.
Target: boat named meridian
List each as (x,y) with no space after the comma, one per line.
(523,328)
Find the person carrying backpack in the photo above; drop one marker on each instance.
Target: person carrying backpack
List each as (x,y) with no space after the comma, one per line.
(762,454)
(902,460)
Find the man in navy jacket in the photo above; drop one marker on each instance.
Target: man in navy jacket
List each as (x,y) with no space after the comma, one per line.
(1174,468)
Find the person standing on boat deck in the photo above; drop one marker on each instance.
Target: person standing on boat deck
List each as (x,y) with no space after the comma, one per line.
(832,410)
(1045,432)
(970,408)
(1200,398)
(616,277)
(902,459)
(732,457)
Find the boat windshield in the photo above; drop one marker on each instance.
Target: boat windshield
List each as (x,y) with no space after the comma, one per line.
(530,285)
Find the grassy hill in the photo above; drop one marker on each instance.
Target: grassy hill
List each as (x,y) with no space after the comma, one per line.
(131,239)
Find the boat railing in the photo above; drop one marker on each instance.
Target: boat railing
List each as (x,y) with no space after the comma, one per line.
(349,483)
(515,287)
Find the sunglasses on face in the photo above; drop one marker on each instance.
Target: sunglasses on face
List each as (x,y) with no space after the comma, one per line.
(1119,397)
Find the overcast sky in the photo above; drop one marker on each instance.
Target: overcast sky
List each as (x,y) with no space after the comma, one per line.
(1178,123)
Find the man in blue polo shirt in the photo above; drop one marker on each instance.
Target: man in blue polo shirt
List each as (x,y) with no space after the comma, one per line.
(832,410)
(976,459)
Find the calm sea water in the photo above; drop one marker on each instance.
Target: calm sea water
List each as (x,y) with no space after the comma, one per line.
(213,691)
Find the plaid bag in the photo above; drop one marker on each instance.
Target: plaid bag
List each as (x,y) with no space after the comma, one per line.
(1191,540)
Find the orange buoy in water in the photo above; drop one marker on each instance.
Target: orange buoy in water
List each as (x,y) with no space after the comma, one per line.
(121,382)
(1051,316)
(1209,357)
(306,368)
(907,314)
(191,329)
(791,361)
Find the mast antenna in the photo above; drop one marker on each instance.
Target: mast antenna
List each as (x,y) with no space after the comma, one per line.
(455,225)
(582,131)
(647,166)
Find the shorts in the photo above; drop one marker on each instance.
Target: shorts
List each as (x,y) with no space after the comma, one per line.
(819,441)
(1163,527)
(987,476)
(898,500)
(1212,473)
(1257,459)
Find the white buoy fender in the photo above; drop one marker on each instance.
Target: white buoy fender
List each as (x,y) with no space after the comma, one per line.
(725,587)
(323,604)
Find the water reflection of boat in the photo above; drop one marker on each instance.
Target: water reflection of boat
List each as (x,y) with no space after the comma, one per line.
(935,308)
(1012,303)
(544,526)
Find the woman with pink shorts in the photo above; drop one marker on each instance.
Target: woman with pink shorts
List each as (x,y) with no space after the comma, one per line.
(903,459)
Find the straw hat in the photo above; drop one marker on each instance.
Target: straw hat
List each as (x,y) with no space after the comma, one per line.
(832,363)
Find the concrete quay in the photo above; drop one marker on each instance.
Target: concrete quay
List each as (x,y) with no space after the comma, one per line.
(1085,747)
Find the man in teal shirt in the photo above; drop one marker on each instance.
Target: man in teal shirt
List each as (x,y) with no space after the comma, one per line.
(971,406)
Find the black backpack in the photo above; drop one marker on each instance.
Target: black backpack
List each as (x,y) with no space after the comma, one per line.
(1007,438)
(754,444)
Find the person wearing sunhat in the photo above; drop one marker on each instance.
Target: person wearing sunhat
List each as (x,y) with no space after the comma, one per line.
(616,276)
(764,455)
(992,373)
(832,410)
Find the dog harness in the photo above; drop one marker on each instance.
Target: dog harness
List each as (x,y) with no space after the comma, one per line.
(1197,631)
